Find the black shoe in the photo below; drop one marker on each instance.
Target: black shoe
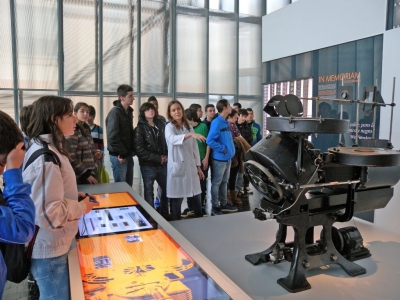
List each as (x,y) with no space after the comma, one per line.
(248,190)
(216,211)
(187,213)
(228,208)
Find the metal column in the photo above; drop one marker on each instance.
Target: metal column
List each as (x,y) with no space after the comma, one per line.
(14,59)
(60,44)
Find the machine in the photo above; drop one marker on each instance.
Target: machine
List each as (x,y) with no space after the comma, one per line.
(304,188)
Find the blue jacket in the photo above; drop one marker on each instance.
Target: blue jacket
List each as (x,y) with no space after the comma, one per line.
(17,216)
(220,140)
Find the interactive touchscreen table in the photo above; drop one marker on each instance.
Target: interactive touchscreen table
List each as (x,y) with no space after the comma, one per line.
(124,255)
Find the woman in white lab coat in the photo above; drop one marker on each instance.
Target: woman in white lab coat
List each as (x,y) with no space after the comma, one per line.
(184,172)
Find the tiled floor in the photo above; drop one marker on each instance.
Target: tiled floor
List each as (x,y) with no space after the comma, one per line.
(20,291)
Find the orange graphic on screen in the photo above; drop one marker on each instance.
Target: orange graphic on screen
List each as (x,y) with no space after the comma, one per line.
(139,265)
(114,199)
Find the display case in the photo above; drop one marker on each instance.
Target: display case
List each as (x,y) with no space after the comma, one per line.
(125,250)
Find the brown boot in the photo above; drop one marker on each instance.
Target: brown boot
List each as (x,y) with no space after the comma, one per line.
(229,197)
(234,198)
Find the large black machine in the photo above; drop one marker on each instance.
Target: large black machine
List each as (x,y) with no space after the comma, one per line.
(304,188)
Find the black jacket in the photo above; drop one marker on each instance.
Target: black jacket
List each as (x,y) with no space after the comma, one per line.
(245,131)
(119,126)
(148,146)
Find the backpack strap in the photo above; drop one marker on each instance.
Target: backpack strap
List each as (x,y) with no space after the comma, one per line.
(45,150)
(56,160)
(32,243)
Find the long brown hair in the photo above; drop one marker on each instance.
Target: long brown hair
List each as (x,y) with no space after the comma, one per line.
(171,119)
(46,111)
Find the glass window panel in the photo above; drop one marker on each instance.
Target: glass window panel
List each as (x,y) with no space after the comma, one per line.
(304,65)
(6,74)
(249,58)
(118,42)
(27,97)
(225,5)
(273,5)
(191,51)
(213,99)
(7,102)
(79,45)
(186,102)
(222,56)
(251,7)
(37,44)
(195,3)
(155,52)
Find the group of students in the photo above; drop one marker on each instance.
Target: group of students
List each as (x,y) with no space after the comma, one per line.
(178,154)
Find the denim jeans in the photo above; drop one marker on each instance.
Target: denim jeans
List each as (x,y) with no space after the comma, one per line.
(122,172)
(159,174)
(239,181)
(193,203)
(219,182)
(52,277)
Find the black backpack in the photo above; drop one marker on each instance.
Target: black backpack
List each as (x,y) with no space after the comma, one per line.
(16,256)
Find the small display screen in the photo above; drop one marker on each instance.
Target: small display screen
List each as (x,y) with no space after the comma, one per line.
(112,220)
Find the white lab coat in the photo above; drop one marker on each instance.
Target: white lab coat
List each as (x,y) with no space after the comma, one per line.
(183,157)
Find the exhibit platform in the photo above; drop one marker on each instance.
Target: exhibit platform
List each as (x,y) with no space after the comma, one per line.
(125,250)
(226,239)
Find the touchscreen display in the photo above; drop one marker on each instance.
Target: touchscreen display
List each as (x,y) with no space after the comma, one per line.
(112,220)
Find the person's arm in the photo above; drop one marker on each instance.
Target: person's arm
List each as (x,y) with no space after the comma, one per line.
(53,211)
(171,137)
(114,134)
(206,158)
(17,216)
(196,153)
(213,137)
(74,148)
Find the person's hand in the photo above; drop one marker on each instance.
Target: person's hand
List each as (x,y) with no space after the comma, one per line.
(121,160)
(164,159)
(81,196)
(199,137)
(89,204)
(92,180)
(16,156)
(205,163)
(200,172)
(98,154)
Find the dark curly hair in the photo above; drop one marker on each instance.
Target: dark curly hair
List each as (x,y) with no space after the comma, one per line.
(10,134)
(145,107)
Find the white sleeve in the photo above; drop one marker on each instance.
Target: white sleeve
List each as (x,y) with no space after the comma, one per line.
(171,137)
